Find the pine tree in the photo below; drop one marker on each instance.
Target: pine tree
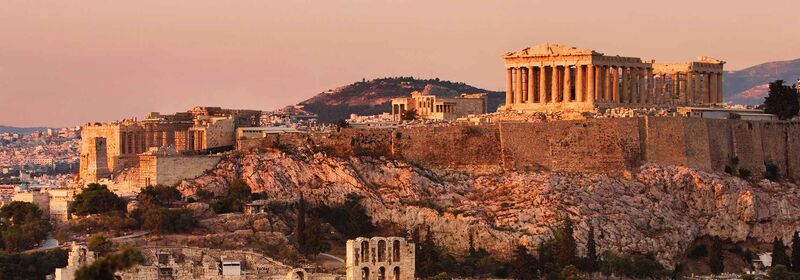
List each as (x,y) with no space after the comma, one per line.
(715,257)
(796,252)
(567,247)
(782,100)
(591,251)
(779,256)
(525,266)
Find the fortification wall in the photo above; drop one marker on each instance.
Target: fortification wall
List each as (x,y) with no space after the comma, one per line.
(571,146)
(450,145)
(597,145)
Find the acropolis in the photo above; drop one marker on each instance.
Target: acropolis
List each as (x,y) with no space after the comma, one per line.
(553,77)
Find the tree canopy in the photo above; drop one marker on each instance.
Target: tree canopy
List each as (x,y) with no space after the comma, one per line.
(96,199)
(781,100)
(21,226)
(105,267)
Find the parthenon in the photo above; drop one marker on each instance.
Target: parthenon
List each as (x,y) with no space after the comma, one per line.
(552,77)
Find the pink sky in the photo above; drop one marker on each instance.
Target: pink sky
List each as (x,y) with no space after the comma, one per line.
(64,63)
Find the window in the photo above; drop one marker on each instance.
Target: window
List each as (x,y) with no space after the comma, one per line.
(396,273)
(396,250)
(365,273)
(381,273)
(381,251)
(364,248)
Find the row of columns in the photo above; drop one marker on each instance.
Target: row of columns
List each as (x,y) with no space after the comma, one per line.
(609,84)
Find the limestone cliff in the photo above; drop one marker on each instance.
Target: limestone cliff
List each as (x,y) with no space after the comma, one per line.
(654,209)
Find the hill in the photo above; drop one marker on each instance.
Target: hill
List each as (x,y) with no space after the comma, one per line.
(374,96)
(749,85)
(20,130)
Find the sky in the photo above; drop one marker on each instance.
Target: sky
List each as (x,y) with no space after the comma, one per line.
(64,63)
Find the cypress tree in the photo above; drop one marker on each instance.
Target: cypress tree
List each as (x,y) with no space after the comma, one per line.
(715,257)
(779,256)
(796,252)
(591,251)
(567,247)
(300,226)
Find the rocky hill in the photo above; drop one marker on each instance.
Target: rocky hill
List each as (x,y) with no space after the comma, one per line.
(749,85)
(659,209)
(20,130)
(374,96)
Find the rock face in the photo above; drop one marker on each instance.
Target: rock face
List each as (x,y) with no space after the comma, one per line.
(654,209)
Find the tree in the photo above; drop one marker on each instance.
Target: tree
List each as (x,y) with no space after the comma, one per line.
(21,226)
(99,244)
(715,257)
(96,199)
(779,256)
(567,247)
(38,265)
(796,252)
(300,225)
(105,267)
(524,265)
(315,235)
(781,272)
(781,100)
(238,194)
(158,195)
(349,218)
(410,115)
(591,251)
(163,220)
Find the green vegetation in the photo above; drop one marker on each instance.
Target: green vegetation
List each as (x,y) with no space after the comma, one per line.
(349,218)
(773,173)
(21,226)
(796,252)
(99,244)
(31,266)
(715,258)
(779,256)
(634,266)
(310,233)
(699,251)
(781,272)
(159,195)
(105,267)
(410,115)
(744,173)
(238,194)
(96,199)
(781,100)
(166,220)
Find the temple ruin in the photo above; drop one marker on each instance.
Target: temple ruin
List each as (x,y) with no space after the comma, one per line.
(552,77)
(432,107)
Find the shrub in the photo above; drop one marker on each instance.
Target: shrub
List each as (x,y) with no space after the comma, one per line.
(772,173)
(158,195)
(349,218)
(700,251)
(105,267)
(164,220)
(96,199)
(99,244)
(729,169)
(31,265)
(744,173)
(21,226)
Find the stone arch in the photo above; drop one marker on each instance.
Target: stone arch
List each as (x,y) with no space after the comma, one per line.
(364,251)
(396,250)
(381,273)
(396,273)
(297,274)
(365,273)
(381,250)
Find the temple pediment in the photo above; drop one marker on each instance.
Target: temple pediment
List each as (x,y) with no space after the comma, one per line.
(707,59)
(548,49)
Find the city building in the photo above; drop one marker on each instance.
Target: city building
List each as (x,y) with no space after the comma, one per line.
(432,107)
(40,198)
(552,77)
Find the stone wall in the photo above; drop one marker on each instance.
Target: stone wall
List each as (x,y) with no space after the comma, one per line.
(610,146)
(170,170)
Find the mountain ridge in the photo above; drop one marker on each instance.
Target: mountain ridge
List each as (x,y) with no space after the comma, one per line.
(750,85)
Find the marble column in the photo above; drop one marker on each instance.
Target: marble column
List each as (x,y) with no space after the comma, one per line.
(650,88)
(615,74)
(679,88)
(531,85)
(518,86)
(567,84)
(590,82)
(620,83)
(607,90)
(690,88)
(641,94)
(524,87)
(509,85)
(720,97)
(554,85)
(579,83)
(712,78)
(543,84)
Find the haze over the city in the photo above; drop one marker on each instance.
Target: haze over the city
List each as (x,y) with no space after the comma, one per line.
(64,63)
